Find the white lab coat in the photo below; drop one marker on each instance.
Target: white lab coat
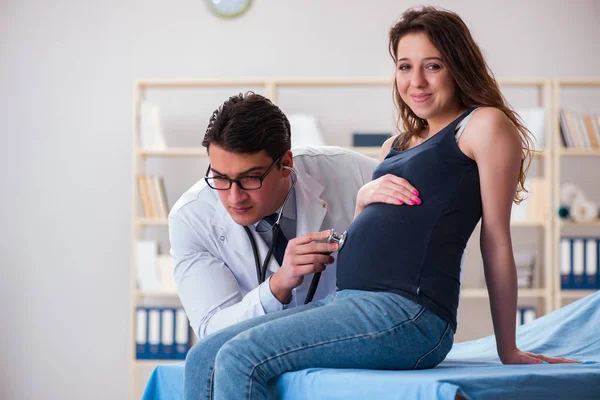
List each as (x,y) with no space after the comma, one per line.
(215,270)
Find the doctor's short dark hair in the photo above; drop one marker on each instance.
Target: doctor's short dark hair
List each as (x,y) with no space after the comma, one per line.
(248,123)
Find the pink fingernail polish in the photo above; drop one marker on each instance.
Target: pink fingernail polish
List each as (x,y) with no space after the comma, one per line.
(412,202)
(416,192)
(418,201)
(400,201)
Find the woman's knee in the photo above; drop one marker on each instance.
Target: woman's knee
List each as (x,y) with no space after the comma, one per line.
(198,356)
(230,354)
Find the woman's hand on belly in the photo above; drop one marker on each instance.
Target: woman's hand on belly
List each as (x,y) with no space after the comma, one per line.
(389,189)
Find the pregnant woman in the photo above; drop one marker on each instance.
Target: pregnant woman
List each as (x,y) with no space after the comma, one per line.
(461,157)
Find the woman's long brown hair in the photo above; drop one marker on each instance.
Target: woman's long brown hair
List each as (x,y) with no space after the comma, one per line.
(475,82)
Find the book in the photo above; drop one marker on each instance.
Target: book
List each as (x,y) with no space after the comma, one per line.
(151,134)
(534,121)
(145,255)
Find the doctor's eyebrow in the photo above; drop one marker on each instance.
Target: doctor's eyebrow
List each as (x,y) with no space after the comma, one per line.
(241,173)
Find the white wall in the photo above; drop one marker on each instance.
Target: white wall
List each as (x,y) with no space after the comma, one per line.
(67,70)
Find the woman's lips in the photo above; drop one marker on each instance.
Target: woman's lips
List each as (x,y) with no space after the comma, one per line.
(419,98)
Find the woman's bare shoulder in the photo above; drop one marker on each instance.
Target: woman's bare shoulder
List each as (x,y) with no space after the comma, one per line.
(386,146)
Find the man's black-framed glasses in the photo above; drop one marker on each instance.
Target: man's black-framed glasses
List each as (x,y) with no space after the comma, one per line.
(245,182)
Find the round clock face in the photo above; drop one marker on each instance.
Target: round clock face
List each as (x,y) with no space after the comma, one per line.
(228,8)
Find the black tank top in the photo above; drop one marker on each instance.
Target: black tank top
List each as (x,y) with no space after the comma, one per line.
(416,251)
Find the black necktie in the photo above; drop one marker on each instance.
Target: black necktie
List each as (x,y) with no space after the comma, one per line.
(281,242)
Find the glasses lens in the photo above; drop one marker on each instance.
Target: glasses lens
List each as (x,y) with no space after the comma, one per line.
(250,183)
(218,183)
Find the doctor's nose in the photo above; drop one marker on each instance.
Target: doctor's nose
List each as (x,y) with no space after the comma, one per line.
(235,194)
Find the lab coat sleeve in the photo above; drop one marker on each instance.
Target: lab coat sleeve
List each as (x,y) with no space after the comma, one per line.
(208,290)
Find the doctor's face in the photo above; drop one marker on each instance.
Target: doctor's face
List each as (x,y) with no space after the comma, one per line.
(247,207)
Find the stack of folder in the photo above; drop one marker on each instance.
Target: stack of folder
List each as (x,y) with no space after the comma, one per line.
(579,261)
(525,315)
(162,333)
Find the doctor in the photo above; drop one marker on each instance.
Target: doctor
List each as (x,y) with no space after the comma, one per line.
(222,229)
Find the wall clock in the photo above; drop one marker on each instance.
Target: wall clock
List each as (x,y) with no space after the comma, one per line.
(228,8)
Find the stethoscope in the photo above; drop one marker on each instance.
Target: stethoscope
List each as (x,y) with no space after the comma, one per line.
(261,270)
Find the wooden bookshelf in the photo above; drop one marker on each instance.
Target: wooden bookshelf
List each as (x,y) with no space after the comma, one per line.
(548,229)
(562,152)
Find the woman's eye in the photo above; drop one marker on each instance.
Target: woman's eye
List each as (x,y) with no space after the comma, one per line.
(403,67)
(434,67)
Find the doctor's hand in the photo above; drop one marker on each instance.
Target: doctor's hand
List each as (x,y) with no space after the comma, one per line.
(389,189)
(517,356)
(303,255)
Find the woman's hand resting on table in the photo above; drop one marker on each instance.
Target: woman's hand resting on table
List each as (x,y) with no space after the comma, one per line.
(389,189)
(517,356)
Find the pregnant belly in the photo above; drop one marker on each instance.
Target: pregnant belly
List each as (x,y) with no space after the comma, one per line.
(383,248)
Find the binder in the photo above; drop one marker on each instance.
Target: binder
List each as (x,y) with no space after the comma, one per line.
(591,264)
(598,262)
(528,315)
(525,315)
(182,334)
(578,250)
(167,333)
(565,264)
(154,333)
(141,334)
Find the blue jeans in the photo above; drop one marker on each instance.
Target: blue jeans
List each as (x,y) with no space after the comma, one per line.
(348,329)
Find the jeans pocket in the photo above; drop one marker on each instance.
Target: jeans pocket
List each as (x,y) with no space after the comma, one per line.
(437,354)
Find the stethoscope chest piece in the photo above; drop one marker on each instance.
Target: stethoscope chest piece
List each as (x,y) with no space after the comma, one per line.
(335,237)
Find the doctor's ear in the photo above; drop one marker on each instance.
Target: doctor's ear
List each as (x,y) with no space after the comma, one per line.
(287,161)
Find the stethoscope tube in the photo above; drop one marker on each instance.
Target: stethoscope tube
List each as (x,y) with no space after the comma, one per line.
(313,287)
(261,270)
(333,237)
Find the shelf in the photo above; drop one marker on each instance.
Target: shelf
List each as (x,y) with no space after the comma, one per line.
(578,151)
(282,82)
(578,81)
(197,83)
(174,152)
(367,150)
(595,222)
(155,293)
(201,152)
(154,363)
(576,294)
(483,293)
(522,82)
(151,221)
(323,82)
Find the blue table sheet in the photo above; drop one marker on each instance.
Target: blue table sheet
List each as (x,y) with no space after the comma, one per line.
(472,369)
